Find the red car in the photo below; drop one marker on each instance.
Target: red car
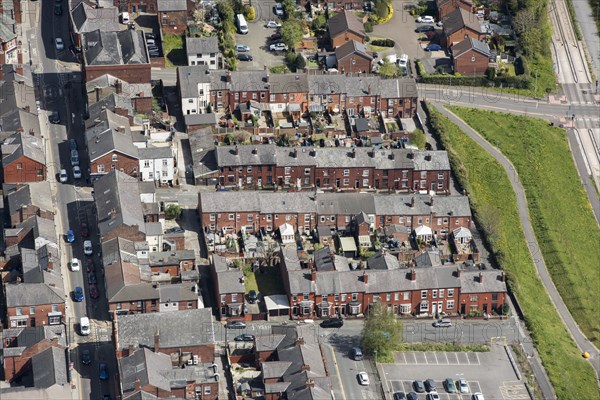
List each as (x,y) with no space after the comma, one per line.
(275,36)
(94,292)
(90,265)
(85,231)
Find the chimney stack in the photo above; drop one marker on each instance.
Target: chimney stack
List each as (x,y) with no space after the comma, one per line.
(156,342)
(392,155)
(410,155)
(428,157)
(236,151)
(313,152)
(113,213)
(412,202)
(310,383)
(300,341)
(255,151)
(458,272)
(130,350)
(228,76)
(503,277)
(305,367)
(353,153)
(480,277)
(431,202)
(119,87)
(98,94)
(413,275)
(295,153)
(313,274)
(138,385)
(365,277)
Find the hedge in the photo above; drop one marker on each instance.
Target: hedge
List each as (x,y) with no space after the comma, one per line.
(383,42)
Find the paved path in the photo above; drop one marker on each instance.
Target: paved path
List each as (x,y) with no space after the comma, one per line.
(583,12)
(582,342)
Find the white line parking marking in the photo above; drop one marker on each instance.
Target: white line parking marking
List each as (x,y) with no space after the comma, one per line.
(436,359)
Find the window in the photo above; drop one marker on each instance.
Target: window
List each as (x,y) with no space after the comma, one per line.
(288,170)
(288,217)
(147,164)
(54,320)
(473,298)
(406,295)
(231,217)
(31,310)
(190,304)
(449,304)
(19,310)
(472,59)
(375,296)
(354,296)
(424,306)
(223,298)
(305,296)
(19,165)
(388,297)
(401,220)
(54,307)
(441,293)
(115,157)
(294,298)
(423,294)
(420,221)
(450,292)
(306,217)
(249,168)
(40,172)
(347,219)
(494,296)
(244,94)
(206,390)
(434,293)
(336,297)
(254,96)
(439,221)
(269,217)
(100,168)
(365,182)
(346,181)
(119,306)
(344,297)
(212,217)
(234,297)
(396,296)
(346,172)
(249,217)
(306,171)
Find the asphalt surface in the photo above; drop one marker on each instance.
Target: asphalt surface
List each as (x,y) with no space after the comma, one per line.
(57,83)
(582,342)
(591,38)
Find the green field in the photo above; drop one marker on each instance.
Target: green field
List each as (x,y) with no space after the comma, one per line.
(495,207)
(559,208)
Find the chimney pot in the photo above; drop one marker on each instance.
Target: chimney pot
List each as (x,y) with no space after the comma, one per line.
(236,150)
(392,155)
(458,272)
(503,277)
(295,153)
(481,277)
(431,202)
(413,275)
(300,341)
(313,275)
(156,342)
(365,277)
(412,202)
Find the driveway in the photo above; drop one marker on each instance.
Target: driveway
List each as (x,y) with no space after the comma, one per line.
(257,39)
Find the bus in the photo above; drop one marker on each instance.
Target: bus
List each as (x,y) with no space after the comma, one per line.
(242,24)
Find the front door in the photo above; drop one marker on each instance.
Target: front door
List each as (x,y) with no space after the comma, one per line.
(434,308)
(462,309)
(485,310)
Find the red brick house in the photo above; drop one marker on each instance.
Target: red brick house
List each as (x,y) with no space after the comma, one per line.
(228,281)
(126,292)
(122,54)
(343,27)
(88,16)
(446,7)
(286,90)
(34,304)
(23,159)
(244,86)
(353,57)
(171,262)
(459,25)
(172,16)
(134,6)
(471,57)
(25,201)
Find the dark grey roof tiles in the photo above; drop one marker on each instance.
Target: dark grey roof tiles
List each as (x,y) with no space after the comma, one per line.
(114,48)
(205,45)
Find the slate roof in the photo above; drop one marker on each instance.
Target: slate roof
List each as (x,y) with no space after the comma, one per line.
(171,5)
(109,102)
(33,294)
(114,48)
(128,89)
(205,45)
(458,19)
(155,153)
(203,155)
(22,145)
(200,119)
(32,194)
(242,81)
(123,284)
(159,258)
(469,44)
(49,367)
(352,47)
(268,342)
(112,133)
(7,22)
(345,21)
(189,77)
(352,204)
(229,279)
(275,369)
(119,192)
(177,292)
(176,329)
(118,249)
(145,365)
(470,281)
(288,83)
(383,261)
(88,18)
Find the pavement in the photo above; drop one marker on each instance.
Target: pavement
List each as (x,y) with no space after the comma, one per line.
(582,342)
(591,39)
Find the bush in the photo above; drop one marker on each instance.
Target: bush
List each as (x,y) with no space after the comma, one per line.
(249,12)
(383,42)
(300,62)
(368,27)
(490,73)
(378,20)
(172,211)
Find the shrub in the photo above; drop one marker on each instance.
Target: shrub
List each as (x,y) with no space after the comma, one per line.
(300,62)
(383,42)
(172,211)
(368,27)
(249,12)
(490,73)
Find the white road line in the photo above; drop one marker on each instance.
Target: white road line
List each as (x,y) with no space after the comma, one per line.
(436,359)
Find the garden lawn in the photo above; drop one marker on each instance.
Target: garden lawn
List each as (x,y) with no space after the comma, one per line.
(249,279)
(173,51)
(560,212)
(488,186)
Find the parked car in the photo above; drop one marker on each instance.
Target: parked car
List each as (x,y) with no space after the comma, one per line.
(243,57)
(278,47)
(72,144)
(275,36)
(425,28)
(63,177)
(363,378)
(430,385)
(432,396)
(242,47)
(76,172)
(477,396)
(433,47)
(356,354)
(70,236)
(78,294)
(86,357)
(426,19)
(449,385)
(84,230)
(403,60)
(57,9)
(272,25)
(149,35)
(399,396)
(103,375)
(252,296)
(332,323)
(463,386)
(150,41)
(60,45)
(279,10)
(246,337)
(54,118)
(92,278)
(89,265)
(235,325)
(419,386)
(442,323)
(412,396)
(88,250)
(75,265)
(94,292)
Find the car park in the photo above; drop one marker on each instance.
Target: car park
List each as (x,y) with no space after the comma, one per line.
(463,386)
(425,28)
(432,396)
(399,396)
(94,292)
(78,294)
(103,368)
(426,19)
(242,47)
(243,57)
(278,47)
(244,338)
(332,323)
(76,172)
(87,248)
(272,25)
(70,236)
(363,378)
(252,296)
(430,385)
(62,176)
(60,45)
(86,357)
(433,47)
(477,396)
(419,386)
(412,396)
(235,325)
(449,385)
(279,10)
(75,265)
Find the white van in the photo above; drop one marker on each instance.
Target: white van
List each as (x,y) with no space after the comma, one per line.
(124,17)
(84,326)
(242,24)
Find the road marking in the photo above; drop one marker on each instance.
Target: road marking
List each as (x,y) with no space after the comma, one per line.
(337,371)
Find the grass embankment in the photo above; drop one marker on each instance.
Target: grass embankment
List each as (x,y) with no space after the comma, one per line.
(495,208)
(560,212)
(174,51)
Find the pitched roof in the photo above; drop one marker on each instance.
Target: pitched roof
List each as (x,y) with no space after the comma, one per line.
(189,77)
(484,281)
(229,279)
(144,365)
(441,3)
(22,145)
(176,329)
(33,294)
(288,83)
(352,47)
(171,5)
(200,119)
(112,133)
(186,291)
(114,48)
(36,194)
(124,283)
(275,369)
(49,367)
(345,21)
(468,44)
(87,18)
(384,261)
(205,45)
(458,19)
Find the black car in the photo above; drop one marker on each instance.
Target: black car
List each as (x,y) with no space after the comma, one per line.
(54,118)
(86,357)
(332,323)
(399,396)
(419,386)
(154,53)
(235,325)
(430,385)
(252,296)
(92,278)
(244,57)
(425,28)
(149,35)
(246,337)
(412,396)
(57,9)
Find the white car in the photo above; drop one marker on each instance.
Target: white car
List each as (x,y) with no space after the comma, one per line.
(76,172)
(63,177)
(403,60)
(279,9)
(75,265)
(242,47)
(60,45)
(463,386)
(426,19)
(477,396)
(272,24)
(363,378)
(278,47)
(432,396)
(87,248)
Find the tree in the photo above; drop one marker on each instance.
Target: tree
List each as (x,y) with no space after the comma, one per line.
(381,332)
(288,8)
(300,62)
(249,12)
(291,33)
(319,22)
(172,211)
(418,139)
(388,69)
(381,9)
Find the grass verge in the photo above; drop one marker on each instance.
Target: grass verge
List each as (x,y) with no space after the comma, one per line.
(174,51)
(526,371)
(560,212)
(492,198)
